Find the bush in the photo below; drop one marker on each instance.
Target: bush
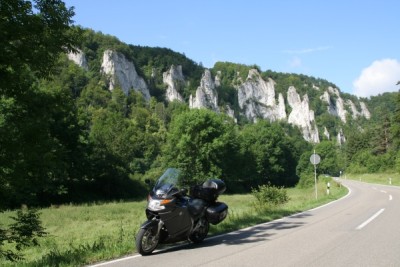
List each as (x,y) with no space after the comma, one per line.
(269,196)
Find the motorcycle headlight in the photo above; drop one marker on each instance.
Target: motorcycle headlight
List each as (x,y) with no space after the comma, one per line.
(157,205)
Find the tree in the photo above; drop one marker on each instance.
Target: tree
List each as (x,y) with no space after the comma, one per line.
(267,155)
(396,124)
(32,40)
(202,144)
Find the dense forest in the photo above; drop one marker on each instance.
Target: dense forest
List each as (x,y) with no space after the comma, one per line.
(65,137)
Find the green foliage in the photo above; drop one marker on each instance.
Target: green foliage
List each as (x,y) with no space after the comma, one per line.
(395,131)
(22,233)
(232,73)
(303,83)
(202,144)
(33,143)
(269,196)
(268,155)
(366,162)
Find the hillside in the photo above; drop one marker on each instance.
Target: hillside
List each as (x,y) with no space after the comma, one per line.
(245,93)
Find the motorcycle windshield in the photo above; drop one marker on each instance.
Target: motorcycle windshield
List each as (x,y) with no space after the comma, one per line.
(168,183)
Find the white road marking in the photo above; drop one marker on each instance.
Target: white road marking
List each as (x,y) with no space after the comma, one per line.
(390,197)
(114,261)
(383,191)
(361,226)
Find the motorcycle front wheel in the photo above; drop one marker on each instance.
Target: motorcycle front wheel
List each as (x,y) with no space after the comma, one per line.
(146,241)
(200,233)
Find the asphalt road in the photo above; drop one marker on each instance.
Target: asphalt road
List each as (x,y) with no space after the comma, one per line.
(361,229)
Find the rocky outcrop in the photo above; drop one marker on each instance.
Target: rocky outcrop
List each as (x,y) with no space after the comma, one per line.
(206,95)
(302,116)
(354,112)
(341,138)
(364,111)
(121,72)
(173,78)
(338,108)
(78,58)
(326,133)
(256,98)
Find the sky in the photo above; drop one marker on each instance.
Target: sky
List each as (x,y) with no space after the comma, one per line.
(354,44)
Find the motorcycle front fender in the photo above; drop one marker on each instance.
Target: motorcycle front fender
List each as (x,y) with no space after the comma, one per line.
(153,223)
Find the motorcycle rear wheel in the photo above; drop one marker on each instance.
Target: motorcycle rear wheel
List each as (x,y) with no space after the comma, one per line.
(201,233)
(146,241)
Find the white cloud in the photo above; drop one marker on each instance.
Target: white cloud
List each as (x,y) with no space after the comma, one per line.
(381,76)
(307,50)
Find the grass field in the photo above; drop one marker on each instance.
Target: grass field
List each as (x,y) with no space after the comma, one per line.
(379,178)
(84,234)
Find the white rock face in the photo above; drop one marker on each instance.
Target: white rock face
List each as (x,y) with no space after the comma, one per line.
(172,78)
(206,95)
(341,111)
(341,138)
(256,98)
(364,111)
(230,112)
(354,111)
(79,59)
(121,72)
(338,108)
(331,106)
(302,116)
(326,133)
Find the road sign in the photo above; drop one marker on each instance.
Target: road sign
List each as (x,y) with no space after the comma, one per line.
(315,159)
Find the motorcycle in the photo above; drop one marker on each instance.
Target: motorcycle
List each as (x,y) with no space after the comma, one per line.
(173,215)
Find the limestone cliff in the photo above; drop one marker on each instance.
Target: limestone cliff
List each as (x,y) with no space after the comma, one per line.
(173,78)
(206,95)
(338,107)
(256,98)
(302,116)
(79,59)
(121,72)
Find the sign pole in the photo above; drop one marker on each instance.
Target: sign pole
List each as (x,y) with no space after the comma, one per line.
(315,180)
(315,159)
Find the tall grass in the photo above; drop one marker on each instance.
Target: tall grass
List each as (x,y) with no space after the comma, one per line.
(85,234)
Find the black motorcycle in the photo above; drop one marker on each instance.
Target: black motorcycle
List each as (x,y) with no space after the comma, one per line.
(174,216)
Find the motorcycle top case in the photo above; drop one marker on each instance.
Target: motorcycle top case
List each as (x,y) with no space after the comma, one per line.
(209,190)
(217,212)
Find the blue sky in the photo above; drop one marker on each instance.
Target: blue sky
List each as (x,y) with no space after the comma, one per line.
(353,44)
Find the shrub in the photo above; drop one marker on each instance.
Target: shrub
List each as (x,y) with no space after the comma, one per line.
(269,196)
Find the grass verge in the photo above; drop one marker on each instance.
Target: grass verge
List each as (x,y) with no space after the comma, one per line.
(84,234)
(376,178)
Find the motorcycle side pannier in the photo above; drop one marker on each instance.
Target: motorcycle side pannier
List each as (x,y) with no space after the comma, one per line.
(217,212)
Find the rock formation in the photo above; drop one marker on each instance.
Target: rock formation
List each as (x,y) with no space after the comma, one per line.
(173,78)
(79,59)
(121,72)
(256,98)
(302,116)
(206,95)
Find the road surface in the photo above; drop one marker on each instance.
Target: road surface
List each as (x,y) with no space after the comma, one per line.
(361,229)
